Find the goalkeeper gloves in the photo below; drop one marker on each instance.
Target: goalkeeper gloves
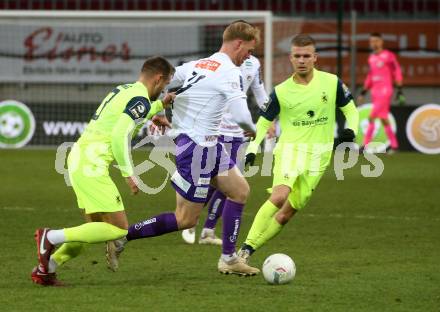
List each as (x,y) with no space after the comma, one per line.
(347,135)
(250,159)
(400,98)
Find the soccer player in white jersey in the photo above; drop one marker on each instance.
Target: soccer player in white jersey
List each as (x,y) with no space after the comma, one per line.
(232,136)
(209,87)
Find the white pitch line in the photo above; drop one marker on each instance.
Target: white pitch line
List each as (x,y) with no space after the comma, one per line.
(22,208)
(371,217)
(17,208)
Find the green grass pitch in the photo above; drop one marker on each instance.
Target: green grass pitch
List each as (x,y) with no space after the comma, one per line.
(362,244)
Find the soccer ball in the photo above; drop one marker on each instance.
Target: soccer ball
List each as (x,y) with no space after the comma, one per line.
(11,125)
(279,269)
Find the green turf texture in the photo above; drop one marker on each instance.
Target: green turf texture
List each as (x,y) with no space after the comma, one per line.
(362,244)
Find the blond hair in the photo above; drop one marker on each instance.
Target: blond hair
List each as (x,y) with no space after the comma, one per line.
(241,30)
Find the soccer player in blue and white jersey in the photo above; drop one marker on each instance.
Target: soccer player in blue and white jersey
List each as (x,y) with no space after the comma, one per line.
(209,87)
(232,136)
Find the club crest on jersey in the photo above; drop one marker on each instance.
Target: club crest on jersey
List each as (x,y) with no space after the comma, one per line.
(324,98)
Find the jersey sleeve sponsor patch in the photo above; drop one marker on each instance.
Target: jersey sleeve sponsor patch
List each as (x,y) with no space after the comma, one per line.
(137,108)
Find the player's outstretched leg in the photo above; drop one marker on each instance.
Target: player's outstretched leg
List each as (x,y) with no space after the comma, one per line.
(215,210)
(274,226)
(259,226)
(186,216)
(155,226)
(72,239)
(269,221)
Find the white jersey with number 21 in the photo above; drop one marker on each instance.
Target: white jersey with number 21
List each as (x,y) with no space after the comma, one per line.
(208,85)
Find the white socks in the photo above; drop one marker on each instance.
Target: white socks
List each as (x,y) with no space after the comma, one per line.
(52,265)
(207,232)
(56,237)
(229,258)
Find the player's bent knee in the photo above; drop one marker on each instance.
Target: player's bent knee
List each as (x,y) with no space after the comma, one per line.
(240,193)
(283,217)
(244,192)
(186,221)
(186,224)
(278,199)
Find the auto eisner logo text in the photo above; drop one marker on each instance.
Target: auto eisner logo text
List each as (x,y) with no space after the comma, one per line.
(49,44)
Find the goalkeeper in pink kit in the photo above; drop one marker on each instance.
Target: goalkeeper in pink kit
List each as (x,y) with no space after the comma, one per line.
(384,70)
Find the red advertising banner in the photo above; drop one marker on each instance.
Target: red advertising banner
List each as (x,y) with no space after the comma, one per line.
(416,44)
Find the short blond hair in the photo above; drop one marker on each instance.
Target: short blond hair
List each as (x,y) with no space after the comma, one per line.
(241,30)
